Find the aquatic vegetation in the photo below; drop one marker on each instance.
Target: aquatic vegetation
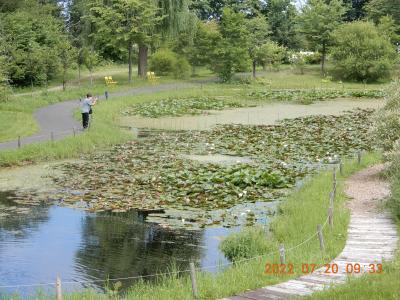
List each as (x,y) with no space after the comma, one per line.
(311,95)
(151,174)
(309,139)
(179,107)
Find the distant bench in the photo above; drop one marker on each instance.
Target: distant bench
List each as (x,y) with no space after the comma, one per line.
(151,76)
(109,80)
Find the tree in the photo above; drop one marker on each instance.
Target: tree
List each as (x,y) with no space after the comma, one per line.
(362,53)
(317,22)
(281,16)
(356,9)
(4,82)
(380,8)
(204,44)
(34,37)
(270,54)
(258,30)
(67,56)
(231,51)
(213,9)
(126,23)
(389,29)
(90,59)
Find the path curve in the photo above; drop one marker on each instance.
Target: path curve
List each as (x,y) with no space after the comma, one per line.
(57,120)
(372,238)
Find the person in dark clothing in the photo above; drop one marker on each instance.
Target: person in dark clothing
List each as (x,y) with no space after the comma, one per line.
(86,109)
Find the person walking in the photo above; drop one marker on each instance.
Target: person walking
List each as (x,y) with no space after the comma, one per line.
(86,109)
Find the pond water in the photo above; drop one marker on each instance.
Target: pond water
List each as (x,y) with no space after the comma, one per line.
(48,240)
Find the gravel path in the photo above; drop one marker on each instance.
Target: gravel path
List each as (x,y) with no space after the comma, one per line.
(372,238)
(368,190)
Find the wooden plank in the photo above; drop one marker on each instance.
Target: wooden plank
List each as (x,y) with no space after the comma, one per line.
(387,244)
(287,291)
(370,248)
(383,233)
(260,294)
(322,279)
(307,285)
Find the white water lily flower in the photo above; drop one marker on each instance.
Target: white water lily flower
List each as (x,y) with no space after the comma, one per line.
(240,195)
(243,214)
(245,192)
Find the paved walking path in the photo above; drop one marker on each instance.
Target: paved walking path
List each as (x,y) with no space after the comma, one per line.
(372,238)
(57,120)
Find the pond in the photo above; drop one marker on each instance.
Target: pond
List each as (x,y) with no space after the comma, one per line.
(80,246)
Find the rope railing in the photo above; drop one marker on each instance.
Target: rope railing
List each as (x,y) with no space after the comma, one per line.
(192,269)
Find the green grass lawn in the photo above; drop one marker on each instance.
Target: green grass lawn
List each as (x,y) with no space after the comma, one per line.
(14,124)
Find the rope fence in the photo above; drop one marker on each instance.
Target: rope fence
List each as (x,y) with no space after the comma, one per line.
(281,251)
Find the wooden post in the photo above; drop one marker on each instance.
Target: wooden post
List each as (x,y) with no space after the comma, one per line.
(52,136)
(73,130)
(58,288)
(331,198)
(193,279)
(334,175)
(282,254)
(359,157)
(330,216)
(19,141)
(321,237)
(341,168)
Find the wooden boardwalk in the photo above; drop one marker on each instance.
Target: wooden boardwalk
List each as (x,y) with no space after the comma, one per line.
(372,238)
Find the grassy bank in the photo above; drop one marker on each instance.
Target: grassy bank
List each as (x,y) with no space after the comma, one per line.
(14,123)
(299,215)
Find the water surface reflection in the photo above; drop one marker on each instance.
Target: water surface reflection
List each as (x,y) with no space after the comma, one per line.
(43,241)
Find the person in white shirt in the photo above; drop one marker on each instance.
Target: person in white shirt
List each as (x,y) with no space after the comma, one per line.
(86,109)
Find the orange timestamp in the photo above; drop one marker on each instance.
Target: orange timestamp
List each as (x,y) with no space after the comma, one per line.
(331,268)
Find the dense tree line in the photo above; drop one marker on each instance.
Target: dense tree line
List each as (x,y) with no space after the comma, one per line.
(42,39)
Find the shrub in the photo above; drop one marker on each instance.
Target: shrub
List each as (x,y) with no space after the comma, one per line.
(4,84)
(271,54)
(387,121)
(313,58)
(298,62)
(361,53)
(394,201)
(249,242)
(163,62)
(387,133)
(181,68)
